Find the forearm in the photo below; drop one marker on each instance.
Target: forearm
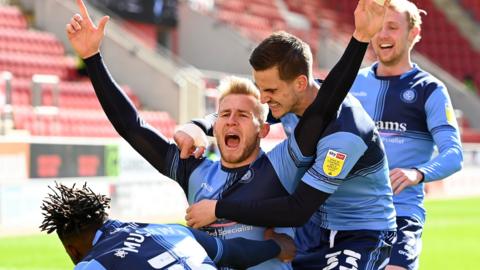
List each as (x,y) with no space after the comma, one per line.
(238,252)
(123,115)
(288,211)
(331,94)
(450,157)
(243,253)
(116,104)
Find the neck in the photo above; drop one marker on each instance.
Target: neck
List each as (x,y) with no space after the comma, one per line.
(310,94)
(233,165)
(78,246)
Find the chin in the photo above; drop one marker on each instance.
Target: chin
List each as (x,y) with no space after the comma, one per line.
(278,114)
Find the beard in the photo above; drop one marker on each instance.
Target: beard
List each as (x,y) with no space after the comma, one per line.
(250,146)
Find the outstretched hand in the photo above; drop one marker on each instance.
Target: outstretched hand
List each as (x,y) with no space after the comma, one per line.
(201,213)
(286,243)
(82,33)
(369,16)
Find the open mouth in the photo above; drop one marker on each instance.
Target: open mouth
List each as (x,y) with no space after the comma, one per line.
(273,105)
(386,46)
(232,140)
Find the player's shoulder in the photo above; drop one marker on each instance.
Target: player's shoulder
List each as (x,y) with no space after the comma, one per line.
(366,72)
(89,265)
(426,80)
(352,118)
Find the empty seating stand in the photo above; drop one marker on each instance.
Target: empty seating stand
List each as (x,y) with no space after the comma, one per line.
(76,112)
(12,17)
(255,19)
(472,7)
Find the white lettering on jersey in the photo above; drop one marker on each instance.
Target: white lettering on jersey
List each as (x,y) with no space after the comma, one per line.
(359,94)
(394,126)
(351,260)
(133,241)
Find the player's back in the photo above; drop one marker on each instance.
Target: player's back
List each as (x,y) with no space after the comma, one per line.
(119,245)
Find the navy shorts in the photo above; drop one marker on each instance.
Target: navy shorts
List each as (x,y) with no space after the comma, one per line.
(322,249)
(406,251)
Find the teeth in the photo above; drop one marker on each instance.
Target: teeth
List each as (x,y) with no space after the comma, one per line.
(386,46)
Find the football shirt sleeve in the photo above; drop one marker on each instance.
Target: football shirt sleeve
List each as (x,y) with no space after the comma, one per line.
(336,156)
(237,252)
(443,126)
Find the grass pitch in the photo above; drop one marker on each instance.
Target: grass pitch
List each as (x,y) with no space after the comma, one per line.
(450,241)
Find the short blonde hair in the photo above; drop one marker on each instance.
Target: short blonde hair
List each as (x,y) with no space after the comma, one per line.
(412,12)
(242,86)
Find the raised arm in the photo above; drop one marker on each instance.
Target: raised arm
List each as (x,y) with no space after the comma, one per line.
(368,21)
(331,94)
(86,38)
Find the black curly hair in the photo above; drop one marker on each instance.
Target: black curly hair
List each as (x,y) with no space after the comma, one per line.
(71,211)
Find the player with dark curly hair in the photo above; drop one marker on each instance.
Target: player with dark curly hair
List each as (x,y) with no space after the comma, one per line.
(93,241)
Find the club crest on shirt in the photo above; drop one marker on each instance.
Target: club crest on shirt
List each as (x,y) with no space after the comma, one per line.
(333,164)
(247,177)
(408,95)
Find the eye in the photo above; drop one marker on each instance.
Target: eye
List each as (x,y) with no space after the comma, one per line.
(269,91)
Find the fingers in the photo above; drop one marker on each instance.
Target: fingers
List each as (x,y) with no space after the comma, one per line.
(70,29)
(395,186)
(400,186)
(192,222)
(103,22)
(185,143)
(188,218)
(185,152)
(76,22)
(199,152)
(83,9)
(396,177)
(395,173)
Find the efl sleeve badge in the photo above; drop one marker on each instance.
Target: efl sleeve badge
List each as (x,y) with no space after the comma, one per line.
(333,163)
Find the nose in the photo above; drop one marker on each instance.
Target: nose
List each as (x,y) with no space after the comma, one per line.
(383,32)
(232,120)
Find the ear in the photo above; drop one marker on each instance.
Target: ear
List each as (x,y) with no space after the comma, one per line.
(413,33)
(301,83)
(264,130)
(73,252)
